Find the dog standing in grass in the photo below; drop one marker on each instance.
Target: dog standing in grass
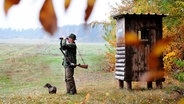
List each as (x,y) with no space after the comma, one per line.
(51,89)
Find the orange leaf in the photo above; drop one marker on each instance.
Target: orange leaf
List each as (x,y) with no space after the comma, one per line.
(90,5)
(8,4)
(153,62)
(181,101)
(67,4)
(153,59)
(152,75)
(48,17)
(131,39)
(160,46)
(156,52)
(82,102)
(87,97)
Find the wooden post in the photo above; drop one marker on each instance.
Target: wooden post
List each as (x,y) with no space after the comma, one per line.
(159,83)
(121,84)
(129,85)
(149,85)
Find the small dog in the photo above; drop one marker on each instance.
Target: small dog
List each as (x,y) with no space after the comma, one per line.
(51,89)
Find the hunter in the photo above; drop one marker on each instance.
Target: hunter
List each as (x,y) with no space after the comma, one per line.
(68,47)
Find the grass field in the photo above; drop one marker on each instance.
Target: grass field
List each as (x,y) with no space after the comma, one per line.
(25,68)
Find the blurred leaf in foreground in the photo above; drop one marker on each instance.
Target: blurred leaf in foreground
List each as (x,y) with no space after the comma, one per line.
(48,17)
(154,72)
(156,52)
(89,8)
(67,4)
(152,75)
(87,97)
(8,4)
(181,101)
(131,38)
(160,46)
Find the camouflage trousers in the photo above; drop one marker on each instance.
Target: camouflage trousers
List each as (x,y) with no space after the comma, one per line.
(69,79)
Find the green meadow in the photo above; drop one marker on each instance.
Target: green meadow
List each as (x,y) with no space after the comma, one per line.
(26,68)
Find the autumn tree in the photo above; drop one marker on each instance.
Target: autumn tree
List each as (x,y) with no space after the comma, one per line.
(173,25)
(110,37)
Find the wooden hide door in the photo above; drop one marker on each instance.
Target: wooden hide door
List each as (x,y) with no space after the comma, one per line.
(140,58)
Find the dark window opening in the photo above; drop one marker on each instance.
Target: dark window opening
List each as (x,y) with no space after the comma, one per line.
(143,35)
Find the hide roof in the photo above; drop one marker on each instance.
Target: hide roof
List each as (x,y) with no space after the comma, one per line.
(117,16)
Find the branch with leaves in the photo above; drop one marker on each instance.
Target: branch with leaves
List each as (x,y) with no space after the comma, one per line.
(47,15)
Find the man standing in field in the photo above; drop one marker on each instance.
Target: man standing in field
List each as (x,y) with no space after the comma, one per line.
(68,48)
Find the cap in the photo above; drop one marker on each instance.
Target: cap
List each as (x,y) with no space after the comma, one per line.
(73,36)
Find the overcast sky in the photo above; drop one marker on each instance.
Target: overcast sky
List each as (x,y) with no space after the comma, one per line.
(26,13)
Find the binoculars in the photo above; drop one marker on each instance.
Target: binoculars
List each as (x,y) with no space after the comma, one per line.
(61,38)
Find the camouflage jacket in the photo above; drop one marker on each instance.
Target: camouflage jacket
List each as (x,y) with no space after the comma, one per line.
(70,53)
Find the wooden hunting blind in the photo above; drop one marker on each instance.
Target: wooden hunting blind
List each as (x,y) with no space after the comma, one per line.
(131,60)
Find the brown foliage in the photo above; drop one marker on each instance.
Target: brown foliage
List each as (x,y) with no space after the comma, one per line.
(8,4)
(157,51)
(131,39)
(173,27)
(154,71)
(152,75)
(160,46)
(67,4)
(48,17)
(89,8)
